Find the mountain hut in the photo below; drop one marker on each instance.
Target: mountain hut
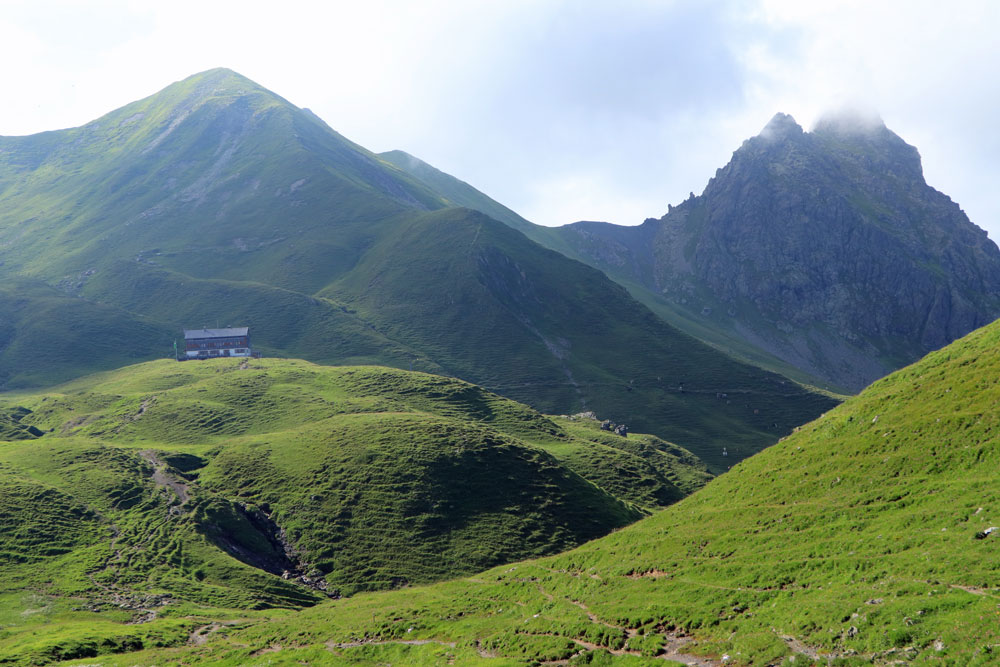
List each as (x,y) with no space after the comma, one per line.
(209,343)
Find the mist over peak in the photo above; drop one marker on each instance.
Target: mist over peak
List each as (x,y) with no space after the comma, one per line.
(850,121)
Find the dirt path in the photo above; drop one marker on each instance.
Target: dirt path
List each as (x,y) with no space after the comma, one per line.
(672,648)
(900,656)
(128,419)
(144,606)
(973,590)
(331,645)
(672,651)
(200,634)
(161,478)
(795,646)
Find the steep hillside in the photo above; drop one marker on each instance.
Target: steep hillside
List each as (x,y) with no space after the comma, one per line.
(826,249)
(217,202)
(457,192)
(868,536)
(166,490)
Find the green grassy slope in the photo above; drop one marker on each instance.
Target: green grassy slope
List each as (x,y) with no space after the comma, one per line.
(47,336)
(167,492)
(865,537)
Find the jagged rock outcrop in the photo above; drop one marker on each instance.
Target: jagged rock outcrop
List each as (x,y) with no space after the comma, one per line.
(617,429)
(825,248)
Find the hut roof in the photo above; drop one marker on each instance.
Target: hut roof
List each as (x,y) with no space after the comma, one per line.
(231,332)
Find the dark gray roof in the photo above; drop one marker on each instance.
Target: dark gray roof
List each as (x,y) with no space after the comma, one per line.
(216,333)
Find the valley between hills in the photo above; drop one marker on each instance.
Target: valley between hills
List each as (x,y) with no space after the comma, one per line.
(423,468)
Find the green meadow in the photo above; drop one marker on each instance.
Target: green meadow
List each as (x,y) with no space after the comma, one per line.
(864,537)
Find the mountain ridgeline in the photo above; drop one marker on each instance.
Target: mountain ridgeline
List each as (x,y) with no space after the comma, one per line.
(215,201)
(826,249)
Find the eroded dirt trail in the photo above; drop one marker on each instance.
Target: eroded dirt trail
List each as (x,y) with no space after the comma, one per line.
(672,650)
(161,478)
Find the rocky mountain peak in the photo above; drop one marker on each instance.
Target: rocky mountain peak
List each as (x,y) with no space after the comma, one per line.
(781,126)
(827,249)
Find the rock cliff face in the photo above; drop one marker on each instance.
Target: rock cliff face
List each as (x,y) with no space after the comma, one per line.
(825,248)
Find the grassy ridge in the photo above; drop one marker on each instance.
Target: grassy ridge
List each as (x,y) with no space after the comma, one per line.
(166,493)
(861,538)
(540,331)
(458,193)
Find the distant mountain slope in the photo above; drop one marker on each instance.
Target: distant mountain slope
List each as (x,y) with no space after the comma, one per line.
(217,202)
(867,537)
(457,193)
(150,492)
(827,249)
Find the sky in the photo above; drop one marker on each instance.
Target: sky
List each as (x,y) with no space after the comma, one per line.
(563,110)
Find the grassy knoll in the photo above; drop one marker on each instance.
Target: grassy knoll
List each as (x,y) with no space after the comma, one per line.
(861,538)
(139,505)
